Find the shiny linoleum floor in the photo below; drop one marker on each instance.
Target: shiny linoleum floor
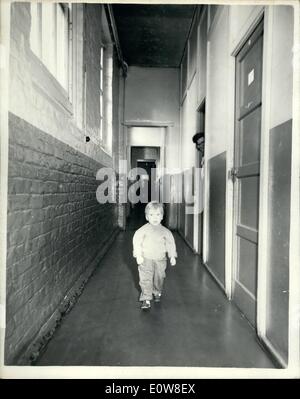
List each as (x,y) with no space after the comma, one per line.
(194,325)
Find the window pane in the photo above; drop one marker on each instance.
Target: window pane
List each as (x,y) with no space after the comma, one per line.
(66,48)
(101,57)
(108,75)
(101,106)
(101,72)
(101,69)
(62,45)
(101,80)
(48,36)
(101,116)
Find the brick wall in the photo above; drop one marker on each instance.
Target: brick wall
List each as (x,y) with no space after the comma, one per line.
(56,231)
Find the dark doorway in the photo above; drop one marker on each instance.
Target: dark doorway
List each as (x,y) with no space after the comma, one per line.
(146,158)
(149,178)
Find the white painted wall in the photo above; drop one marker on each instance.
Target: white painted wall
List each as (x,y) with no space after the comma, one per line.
(145,136)
(282,65)
(217,85)
(239,22)
(202,57)
(189,127)
(152,95)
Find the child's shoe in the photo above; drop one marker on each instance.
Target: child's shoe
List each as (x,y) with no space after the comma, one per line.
(157,298)
(146,305)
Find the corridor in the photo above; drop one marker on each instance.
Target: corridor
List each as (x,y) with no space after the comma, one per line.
(109,106)
(194,325)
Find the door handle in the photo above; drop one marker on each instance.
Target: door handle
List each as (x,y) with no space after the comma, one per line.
(232,174)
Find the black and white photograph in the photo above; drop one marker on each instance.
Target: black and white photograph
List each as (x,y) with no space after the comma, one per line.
(150,212)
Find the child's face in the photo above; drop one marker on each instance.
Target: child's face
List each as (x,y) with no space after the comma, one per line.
(154,217)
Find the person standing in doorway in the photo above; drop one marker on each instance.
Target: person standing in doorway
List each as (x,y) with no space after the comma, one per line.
(199,141)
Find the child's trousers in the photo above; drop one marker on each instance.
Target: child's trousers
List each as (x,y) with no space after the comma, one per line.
(152,274)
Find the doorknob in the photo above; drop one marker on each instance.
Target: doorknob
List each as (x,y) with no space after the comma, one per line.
(232,174)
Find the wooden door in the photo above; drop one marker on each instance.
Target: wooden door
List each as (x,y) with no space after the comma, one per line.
(247,170)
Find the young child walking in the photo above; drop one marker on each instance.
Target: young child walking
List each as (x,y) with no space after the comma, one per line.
(151,243)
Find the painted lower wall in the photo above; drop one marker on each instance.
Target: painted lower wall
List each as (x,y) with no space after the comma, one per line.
(280,148)
(278,232)
(216,216)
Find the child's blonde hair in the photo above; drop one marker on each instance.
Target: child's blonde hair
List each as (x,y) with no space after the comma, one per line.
(154,205)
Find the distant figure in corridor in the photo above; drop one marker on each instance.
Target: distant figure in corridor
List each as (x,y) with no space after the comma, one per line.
(151,243)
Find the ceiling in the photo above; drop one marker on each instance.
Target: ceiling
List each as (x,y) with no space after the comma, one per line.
(153,35)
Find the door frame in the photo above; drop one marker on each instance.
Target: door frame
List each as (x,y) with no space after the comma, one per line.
(261,299)
(199,226)
(249,26)
(237,285)
(165,126)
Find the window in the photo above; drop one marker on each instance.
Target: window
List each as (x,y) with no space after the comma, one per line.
(50,36)
(98,84)
(106,86)
(108,98)
(101,68)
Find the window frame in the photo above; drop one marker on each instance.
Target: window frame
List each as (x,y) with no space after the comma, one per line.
(101,93)
(105,138)
(41,37)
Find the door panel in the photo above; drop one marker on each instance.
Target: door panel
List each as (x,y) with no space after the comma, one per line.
(250,138)
(247,167)
(250,75)
(248,261)
(250,72)
(249,189)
